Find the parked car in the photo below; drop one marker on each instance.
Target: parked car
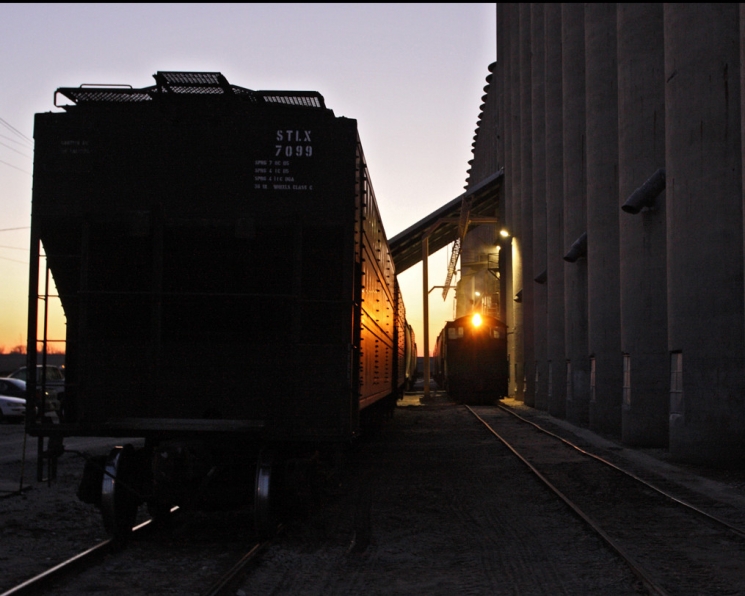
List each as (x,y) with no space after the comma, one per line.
(54,379)
(13,396)
(12,399)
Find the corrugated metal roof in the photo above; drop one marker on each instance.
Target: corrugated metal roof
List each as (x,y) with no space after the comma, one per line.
(406,247)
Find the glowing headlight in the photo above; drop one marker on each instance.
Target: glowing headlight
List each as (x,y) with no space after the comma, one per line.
(476,320)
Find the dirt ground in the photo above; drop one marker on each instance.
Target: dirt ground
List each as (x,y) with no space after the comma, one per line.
(437,506)
(433,505)
(45,524)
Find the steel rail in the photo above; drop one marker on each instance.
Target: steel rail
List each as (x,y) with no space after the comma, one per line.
(227,584)
(37,583)
(718,520)
(636,569)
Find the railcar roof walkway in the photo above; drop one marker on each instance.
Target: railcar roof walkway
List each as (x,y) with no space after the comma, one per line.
(406,247)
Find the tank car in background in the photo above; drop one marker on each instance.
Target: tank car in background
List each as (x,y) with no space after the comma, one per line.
(197,230)
(470,359)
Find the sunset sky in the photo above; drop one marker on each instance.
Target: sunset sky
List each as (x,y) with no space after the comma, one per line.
(411,74)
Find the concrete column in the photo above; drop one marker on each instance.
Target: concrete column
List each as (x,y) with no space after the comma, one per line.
(498,90)
(526,200)
(540,366)
(641,153)
(517,355)
(505,116)
(555,344)
(501,77)
(575,210)
(742,100)
(504,31)
(603,267)
(706,326)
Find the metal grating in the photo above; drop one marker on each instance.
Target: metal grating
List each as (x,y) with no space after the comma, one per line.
(195,90)
(105,94)
(192,83)
(187,83)
(192,78)
(242,91)
(308,100)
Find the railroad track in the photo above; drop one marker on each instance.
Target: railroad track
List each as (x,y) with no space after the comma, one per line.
(75,564)
(55,578)
(672,546)
(230,580)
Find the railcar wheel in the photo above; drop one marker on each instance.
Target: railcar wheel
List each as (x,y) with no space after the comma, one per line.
(118,501)
(265,518)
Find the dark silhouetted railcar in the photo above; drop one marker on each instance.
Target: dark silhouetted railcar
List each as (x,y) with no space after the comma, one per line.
(228,287)
(470,359)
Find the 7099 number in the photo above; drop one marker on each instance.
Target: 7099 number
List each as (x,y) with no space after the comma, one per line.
(293,151)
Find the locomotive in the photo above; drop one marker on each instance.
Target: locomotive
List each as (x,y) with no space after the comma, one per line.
(470,359)
(229,291)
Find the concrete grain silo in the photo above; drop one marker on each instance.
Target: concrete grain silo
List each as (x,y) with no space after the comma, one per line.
(575,212)
(703,164)
(539,273)
(555,336)
(603,293)
(621,143)
(643,253)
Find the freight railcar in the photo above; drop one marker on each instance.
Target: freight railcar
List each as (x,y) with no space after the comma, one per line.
(470,359)
(226,279)
(407,355)
(411,358)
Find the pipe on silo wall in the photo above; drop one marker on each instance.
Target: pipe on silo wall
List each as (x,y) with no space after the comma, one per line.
(742,106)
(504,62)
(500,77)
(526,201)
(498,91)
(517,352)
(706,325)
(508,28)
(603,268)
(641,153)
(575,210)
(538,101)
(555,336)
